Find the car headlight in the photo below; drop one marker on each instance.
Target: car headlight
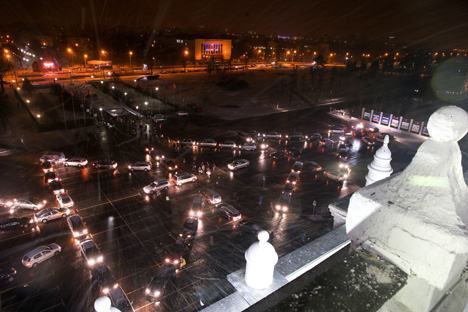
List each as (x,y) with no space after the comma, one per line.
(192,213)
(176,261)
(199,214)
(9,204)
(75,234)
(157,293)
(345,176)
(91,262)
(105,291)
(285,208)
(147,291)
(100,259)
(278,207)
(85,231)
(12,211)
(129,167)
(116,285)
(167,260)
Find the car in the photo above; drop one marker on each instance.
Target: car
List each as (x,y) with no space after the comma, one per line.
(248,136)
(7,275)
(326,142)
(381,136)
(368,141)
(169,164)
(157,155)
(296,136)
(372,130)
(248,226)
(15,224)
(293,178)
(47,167)
(314,137)
(212,196)
(50,214)
(289,188)
(297,167)
(183,177)
(228,144)
(282,205)
(51,176)
(76,162)
(229,212)
(294,152)
(189,229)
(238,164)
(90,252)
(343,154)
(159,284)
(208,143)
(272,135)
(181,113)
(40,254)
(52,157)
(155,186)
(77,226)
(338,129)
(32,203)
(262,142)
(198,205)
(312,166)
(335,175)
(56,187)
(105,164)
(64,200)
(140,166)
(159,118)
(279,155)
(175,253)
(187,142)
(104,279)
(249,146)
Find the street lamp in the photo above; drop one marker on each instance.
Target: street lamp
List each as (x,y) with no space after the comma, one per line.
(85,57)
(130,55)
(103,52)
(287,57)
(71,52)
(259,51)
(185,58)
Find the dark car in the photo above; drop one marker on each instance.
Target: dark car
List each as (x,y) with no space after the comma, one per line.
(105,164)
(247,226)
(47,167)
(158,287)
(189,229)
(7,275)
(104,279)
(175,252)
(56,187)
(343,154)
(294,151)
(279,155)
(15,224)
(50,176)
(229,212)
(169,165)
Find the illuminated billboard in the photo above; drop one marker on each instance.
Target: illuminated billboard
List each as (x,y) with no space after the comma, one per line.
(212,49)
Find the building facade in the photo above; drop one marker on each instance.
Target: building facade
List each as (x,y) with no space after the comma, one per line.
(212,49)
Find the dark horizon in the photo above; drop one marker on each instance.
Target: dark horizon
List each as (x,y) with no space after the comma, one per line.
(439,24)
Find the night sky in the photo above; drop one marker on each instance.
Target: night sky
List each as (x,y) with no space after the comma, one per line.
(441,23)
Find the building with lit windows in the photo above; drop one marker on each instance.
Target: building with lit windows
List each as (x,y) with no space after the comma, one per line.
(212,49)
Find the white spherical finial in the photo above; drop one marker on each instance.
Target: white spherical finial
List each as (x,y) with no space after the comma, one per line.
(448,124)
(263,236)
(102,304)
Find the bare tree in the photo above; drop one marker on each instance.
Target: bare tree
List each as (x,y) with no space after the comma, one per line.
(4,68)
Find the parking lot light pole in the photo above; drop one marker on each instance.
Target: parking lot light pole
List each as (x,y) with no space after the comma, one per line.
(130,55)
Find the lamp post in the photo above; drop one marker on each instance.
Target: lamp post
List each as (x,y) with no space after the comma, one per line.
(103,52)
(185,58)
(130,55)
(258,53)
(71,52)
(85,61)
(287,57)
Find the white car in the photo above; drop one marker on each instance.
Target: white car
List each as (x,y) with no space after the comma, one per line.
(182,113)
(50,214)
(140,166)
(183,177)
(228,144)
(90,252)
(76,162)
(238,164)
(293,178)
(64,200)
(335,175)
(188,142)
(208,143)
(40,254)
(31,203)
(156,186)
(249,146)
(272,135)
(159,118)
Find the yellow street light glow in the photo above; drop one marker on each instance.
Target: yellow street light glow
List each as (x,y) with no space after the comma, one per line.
(186,52)
(103,52)
(131,53)
(288,52)
(69,50)
(86,56)
(38,115)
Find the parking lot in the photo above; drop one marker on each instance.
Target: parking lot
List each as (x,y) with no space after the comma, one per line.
(133,230)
